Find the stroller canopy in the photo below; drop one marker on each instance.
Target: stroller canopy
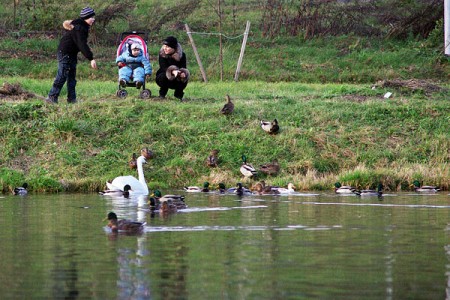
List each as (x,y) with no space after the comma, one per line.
(128,41)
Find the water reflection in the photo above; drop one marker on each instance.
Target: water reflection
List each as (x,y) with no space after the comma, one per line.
(133,280)
(65,269)
(254,247)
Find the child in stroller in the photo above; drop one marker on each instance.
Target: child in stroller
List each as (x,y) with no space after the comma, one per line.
(134,65)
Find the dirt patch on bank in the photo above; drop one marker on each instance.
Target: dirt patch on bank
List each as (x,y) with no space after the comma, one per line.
(15,92)
(412,85)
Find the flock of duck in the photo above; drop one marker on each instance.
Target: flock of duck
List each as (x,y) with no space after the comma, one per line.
(126,186)
(165,204)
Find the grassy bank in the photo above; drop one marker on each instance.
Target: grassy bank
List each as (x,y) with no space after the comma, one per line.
(345,59)
(329,132)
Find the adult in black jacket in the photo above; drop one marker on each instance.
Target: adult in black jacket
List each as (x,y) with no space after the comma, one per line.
(73,41)
(172,73)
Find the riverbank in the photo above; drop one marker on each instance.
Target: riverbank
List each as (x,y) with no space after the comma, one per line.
(329,132)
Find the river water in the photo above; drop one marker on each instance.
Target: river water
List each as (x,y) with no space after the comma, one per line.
(304,246)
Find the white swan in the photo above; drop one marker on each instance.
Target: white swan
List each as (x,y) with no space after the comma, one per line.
(138,187)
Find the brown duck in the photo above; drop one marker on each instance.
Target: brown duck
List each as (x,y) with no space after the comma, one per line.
(228,108)
(123,225)
(270,168)
(212,160)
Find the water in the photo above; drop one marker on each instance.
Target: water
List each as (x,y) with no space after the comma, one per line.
(319,246)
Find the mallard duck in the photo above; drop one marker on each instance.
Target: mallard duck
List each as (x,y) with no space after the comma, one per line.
(262,189)
(221,188)
(228,108)
(378,192)
(21,190)
(196,189)
(213,159)
(247,169)
(424,188)
(239,190)
(344,189)
(270,127)
(123,225)
(270,168)
(156,199)
(118,193)
(133,162)
(148,154)
(289,190)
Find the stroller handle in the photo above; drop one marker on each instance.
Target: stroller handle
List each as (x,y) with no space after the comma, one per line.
(143,34)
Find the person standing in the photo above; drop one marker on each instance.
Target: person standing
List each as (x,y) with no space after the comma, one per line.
(172,73)
(73,41)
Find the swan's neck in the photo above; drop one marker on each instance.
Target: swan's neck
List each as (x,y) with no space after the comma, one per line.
(140,169)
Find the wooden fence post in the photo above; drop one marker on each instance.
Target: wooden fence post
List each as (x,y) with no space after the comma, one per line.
(188,31)
(241,56)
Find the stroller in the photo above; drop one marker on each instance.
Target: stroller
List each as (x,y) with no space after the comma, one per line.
(133,37)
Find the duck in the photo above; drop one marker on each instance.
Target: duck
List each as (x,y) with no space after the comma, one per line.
(270,168)
(212,160)
(21,190)
(147,153)
(197,189)
(424,188)
(262,189)
(123,225)
(239,190)
(289,190)
(344,189)
(221,188)
(378,192)
(228,108)
(133,163)
(157,199)
(270,127)
(247,169)
(138,186)
(125,192)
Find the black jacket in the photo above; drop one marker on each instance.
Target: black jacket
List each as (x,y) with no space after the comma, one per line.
(75,39)
(178,58)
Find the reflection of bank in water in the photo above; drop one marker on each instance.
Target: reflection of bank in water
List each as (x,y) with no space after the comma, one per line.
(133,281)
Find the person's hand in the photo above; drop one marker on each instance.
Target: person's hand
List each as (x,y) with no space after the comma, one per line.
(121,64)
(175,73)
(93,64)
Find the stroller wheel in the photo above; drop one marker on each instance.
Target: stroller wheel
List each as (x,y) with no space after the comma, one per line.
(145,94)
(121,93)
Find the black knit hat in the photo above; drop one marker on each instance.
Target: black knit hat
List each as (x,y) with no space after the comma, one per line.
(171,41)
(87,13)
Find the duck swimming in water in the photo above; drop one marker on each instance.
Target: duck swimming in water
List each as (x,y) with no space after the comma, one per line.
(343,189)
(196,189)
(118,193)
(21,190)
(424,188)
(156,201)
(378,192)
(123,225)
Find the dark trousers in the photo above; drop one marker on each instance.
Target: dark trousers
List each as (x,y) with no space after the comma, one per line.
(67,70)
(166,84)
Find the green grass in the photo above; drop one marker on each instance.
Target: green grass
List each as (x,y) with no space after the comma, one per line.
(329,132)
(346,59)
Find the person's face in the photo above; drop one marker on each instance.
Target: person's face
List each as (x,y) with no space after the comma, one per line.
(168,50)
(135,51)
(90,21)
